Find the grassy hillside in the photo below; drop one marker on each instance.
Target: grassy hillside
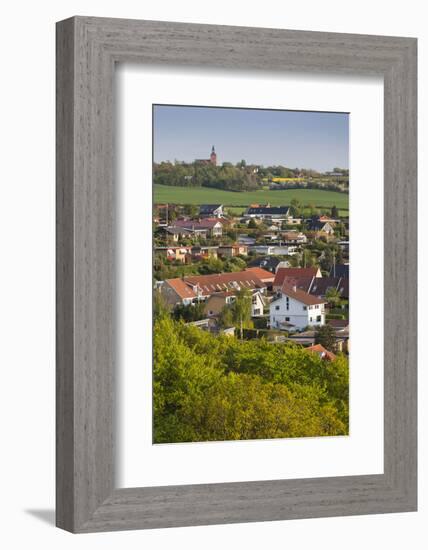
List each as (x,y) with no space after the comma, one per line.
(205,195)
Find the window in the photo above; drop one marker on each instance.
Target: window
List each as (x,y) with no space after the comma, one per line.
(256,312)
(277,308)
(305,308)
(287,318)
(318,318)
(310,319)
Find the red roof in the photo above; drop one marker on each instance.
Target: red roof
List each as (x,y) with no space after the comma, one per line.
(295,272)
(302,283)
(322,352)
(262,274)
(207,223)
(181,288)
(301,295)
(220,282)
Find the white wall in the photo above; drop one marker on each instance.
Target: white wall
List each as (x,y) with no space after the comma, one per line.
(27,272)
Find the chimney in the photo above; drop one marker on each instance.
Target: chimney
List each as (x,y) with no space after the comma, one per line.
(294,288)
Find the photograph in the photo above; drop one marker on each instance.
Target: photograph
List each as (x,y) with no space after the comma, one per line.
(250,274)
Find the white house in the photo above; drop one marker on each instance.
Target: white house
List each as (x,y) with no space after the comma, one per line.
(258,302)
(295,309)
(274,250)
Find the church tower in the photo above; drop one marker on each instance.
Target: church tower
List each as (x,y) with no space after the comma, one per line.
(213,156)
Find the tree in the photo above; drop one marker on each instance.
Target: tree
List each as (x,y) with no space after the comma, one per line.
(252,224)
(217,388)
(329,257)
(307,260)
(191,210)
(225,319)
(325,336)
(189,313)
(211,265)
(333,296)
(296,208)
(241,308)
(235,264)
(160,307)
(313,210)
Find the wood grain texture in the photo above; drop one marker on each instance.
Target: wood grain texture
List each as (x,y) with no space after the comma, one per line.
(87,49)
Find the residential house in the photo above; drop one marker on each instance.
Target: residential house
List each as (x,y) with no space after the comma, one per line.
(258,303)
(220,282)
(265,276)
(294,237)
(245,239)
(318,286)
(268,263)
(173,253)
(274,250)
(294,221)
(176,234)
(177,291)
(340,270)
(327,219)
(307,338)
(217,301)
(202,252)
(211,211)
(320,228)
(295,273)
(196,288)
(268,212)
(294,310)
(207,227)
(232,250)
(338,324)
(322,352)
(341,329)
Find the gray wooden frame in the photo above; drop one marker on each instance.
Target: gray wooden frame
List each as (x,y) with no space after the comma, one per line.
(87,50)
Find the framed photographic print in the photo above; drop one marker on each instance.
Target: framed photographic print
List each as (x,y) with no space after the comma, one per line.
(235,206)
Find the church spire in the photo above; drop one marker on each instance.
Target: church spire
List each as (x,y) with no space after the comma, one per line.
(213,156)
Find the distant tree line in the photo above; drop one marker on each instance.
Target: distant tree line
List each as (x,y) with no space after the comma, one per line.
(238,177)
(226,176)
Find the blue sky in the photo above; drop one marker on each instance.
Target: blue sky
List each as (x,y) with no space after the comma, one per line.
(300,139)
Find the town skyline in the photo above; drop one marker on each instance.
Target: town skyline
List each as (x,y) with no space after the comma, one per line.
(294,139)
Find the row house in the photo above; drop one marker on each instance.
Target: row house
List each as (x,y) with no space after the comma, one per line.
(196,288)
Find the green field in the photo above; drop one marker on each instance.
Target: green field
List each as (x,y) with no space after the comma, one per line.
(205,195)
